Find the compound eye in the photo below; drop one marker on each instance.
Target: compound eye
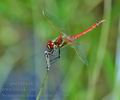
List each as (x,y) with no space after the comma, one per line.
(50,45)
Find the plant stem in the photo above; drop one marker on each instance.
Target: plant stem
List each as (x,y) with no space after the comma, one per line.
(42,86)
(101,50)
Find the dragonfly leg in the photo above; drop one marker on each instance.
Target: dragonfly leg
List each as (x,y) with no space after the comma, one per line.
(59,53)
(47,59)
(53,60)
(47,56)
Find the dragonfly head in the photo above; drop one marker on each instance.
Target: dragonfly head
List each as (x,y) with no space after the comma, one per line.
(50,45)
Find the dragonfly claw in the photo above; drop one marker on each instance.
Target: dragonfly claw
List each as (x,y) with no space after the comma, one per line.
(48,68)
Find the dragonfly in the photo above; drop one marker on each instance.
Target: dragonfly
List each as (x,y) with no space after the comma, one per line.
(63,40)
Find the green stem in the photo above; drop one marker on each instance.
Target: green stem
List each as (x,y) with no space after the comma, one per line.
(101,50)
(42,87)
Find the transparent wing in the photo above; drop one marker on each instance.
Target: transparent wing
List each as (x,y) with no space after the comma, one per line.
(81,51)
(55,22)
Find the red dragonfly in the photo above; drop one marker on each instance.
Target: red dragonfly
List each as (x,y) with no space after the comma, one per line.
(62,40)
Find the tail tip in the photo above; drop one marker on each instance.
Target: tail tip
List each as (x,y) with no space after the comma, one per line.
(101,21)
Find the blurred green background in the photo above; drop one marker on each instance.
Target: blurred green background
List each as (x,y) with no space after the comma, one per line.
(27,25)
